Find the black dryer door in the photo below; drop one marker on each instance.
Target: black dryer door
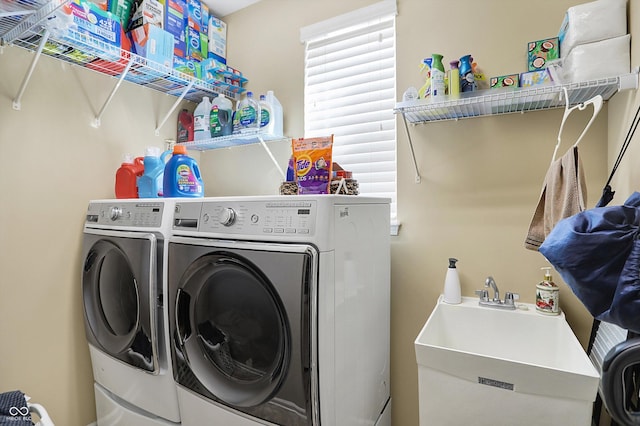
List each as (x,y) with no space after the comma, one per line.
(118,291)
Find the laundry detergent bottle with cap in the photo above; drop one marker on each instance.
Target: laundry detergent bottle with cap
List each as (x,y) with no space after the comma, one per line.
(150,183)
(182,175)
(127,177)
(452,291)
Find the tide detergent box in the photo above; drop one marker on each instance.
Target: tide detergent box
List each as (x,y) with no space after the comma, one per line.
(175,19)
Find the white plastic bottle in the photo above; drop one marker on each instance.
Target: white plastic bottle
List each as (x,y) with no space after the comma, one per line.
(265,113)
(452,291)
(248,112)
(275,126)
(201,129)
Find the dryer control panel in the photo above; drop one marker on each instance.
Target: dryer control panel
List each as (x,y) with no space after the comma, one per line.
(248,217)
(134,214)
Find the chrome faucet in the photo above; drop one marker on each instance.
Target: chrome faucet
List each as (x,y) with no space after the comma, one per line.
(490,282)
(509,299)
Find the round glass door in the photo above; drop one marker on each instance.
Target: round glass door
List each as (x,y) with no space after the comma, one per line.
(233,329)
(112,304)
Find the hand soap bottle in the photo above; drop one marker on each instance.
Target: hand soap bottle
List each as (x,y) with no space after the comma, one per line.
(452,292)
(547,295)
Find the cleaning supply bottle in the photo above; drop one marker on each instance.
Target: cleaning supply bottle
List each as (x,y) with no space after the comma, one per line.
(437,76)
(221,116)
(452,291)
(265,112)
(127,176)
(185,126)
(454,79)
(425,91)
(467,78)
(248,112)
(201,120)
(547,295)
(150,183)
(276,120)
(182,175)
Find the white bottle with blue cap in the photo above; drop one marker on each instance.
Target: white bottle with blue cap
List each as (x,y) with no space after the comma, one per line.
(452,291)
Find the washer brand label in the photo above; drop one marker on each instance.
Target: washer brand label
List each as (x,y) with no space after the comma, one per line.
(496,383)
(344,212)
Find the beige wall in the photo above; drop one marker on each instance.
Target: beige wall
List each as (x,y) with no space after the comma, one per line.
(481,179)
(54,162)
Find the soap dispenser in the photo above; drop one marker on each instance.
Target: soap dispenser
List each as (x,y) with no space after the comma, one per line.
(547,295)
(452,292)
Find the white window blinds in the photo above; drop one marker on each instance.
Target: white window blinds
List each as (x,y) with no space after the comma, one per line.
(350,93)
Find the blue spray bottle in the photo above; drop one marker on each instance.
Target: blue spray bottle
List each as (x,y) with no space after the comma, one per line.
(467,79)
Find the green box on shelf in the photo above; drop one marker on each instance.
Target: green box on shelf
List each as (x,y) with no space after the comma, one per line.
(511,80)
(542,51)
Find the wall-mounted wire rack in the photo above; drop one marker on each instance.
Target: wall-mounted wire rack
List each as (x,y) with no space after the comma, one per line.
(507,101)
(21,24)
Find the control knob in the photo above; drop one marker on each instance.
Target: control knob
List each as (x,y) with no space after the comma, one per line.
(115,213)
(228,216)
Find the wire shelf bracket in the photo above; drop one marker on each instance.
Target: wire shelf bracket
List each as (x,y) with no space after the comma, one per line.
(23,86)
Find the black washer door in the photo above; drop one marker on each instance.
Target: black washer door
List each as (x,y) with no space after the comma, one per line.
(116,278)
(232,329)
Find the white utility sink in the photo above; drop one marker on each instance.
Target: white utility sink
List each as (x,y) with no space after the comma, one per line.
(479,365)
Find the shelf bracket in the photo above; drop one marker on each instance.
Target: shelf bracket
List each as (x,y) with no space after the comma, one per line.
(96,121)
(275,162)
(27,77)
(413,154)
(174,106)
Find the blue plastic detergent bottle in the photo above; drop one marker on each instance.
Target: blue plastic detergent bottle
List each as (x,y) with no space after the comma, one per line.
(150,183)
(182,175)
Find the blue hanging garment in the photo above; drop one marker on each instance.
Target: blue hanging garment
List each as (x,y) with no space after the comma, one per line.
(597,253)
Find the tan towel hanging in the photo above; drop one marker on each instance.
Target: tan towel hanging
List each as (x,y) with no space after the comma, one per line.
(563,194)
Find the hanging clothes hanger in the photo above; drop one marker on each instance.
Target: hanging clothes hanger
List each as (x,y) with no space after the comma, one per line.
(596,101)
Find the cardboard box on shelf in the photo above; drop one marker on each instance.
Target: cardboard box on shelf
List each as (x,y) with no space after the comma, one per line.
(542,51)
(153,43)
(217,39)
(535,78)
(147,12)
(511,80)
(175,23)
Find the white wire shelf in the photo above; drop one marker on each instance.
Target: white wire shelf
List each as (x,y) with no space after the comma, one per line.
(88,52)
(18,16)
(249,138)
(507,101)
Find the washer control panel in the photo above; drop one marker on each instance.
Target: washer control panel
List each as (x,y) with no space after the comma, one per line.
(248,217)
(142,214)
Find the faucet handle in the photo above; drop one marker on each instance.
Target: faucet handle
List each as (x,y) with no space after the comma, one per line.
(510,298)
(483,294)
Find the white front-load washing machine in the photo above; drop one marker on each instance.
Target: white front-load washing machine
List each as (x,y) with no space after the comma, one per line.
(279,310)
(124,264)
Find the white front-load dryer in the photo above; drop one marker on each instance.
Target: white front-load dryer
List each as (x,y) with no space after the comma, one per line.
(124,264)
(279,310)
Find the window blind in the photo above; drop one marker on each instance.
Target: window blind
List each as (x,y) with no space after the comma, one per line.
(350,93)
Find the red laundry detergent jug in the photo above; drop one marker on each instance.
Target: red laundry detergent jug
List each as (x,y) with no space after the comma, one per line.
(127,175)
(185,126)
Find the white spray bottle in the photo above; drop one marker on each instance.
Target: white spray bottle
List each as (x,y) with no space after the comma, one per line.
(452,291)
